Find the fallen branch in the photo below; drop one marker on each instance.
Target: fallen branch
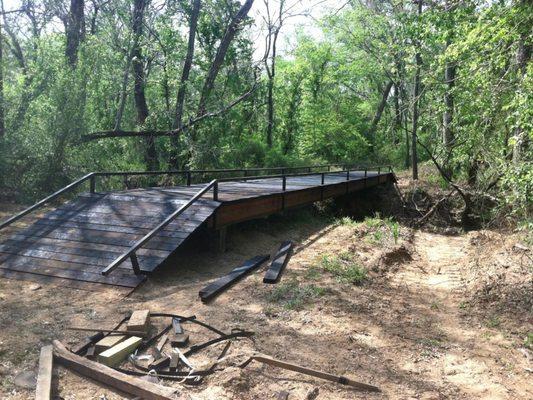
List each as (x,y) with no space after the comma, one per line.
(174,132)
(307,371)
(432,210)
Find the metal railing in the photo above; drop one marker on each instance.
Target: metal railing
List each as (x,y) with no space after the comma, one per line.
(188,174)
(131,252)
(48,199)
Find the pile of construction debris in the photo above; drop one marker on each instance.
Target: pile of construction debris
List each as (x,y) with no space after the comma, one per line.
(146,347)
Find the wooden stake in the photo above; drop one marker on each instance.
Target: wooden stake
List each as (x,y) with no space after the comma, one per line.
(44,379)
(307,371)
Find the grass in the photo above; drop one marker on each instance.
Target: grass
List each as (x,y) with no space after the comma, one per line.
(344,267)
(494,322)
(382,228)
(528,342)
(294,296)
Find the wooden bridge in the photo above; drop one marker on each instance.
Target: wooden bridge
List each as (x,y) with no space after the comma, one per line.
(114,238)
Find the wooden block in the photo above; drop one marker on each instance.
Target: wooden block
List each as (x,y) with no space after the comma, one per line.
(162,342)
(116,354)
(83,346)
(108,376)
(279,263)
(179,340)
(176,325)
(174,361)
(44,378)
(139,321)
(91,353)
(108,342)
(160,363)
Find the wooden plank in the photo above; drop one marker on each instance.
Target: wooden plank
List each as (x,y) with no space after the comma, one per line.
(29,265)
(108,376)
(139,321)
(213,289)
(84,346)
(115,355)
(90,256)
(81,245)
(61,282)
(108,342)
(147,263)
(112,238)
(282,257)
(44,377)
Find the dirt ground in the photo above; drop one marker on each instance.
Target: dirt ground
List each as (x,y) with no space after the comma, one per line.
(430,316)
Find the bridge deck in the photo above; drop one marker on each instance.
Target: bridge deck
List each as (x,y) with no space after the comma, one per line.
(72,243)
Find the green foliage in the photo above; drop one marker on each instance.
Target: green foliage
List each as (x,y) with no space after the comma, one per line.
(344,267)
(327,89)
(382,228)
(293,295)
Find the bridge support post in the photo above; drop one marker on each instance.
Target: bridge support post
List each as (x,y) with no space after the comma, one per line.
(217,239)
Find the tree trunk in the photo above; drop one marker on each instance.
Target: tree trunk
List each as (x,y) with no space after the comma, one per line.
(270,89)
(448,136)
(75,30)
(150,156)
(123,92)
(221,54)
(523,57)
(2,123)
(397,115)
(379,112)
(182,91)
(416,95)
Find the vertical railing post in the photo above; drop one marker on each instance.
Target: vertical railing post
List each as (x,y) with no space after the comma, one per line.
(284,183)
(188,178)
(379,170)
(322,178)
(215,191)
(92,184)
(348,174)
(135,263)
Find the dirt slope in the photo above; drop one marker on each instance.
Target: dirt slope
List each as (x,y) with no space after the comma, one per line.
(415,324)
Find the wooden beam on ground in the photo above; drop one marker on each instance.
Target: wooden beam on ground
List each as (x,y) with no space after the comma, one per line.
(213,289)
(108,342)
(307,371)
(116,354)
(279,262)
(110,377)
(44,378)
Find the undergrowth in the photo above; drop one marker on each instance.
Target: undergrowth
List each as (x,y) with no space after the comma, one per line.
(344,267)
(293,295)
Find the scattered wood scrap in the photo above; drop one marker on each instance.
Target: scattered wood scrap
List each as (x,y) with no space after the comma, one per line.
(307,371)
(44,378)
(108,376)
(282,257)
(213,289)
(108,342)
(178,338)
(116,354)
(84,346)
(118,331)
(139,321)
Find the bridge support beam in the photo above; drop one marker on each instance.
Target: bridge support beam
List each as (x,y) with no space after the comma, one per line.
(217,239)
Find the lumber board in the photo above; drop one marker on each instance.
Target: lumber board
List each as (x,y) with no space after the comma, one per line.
(113,356)
(216,287)
(279,262)
(43,390)
(108,376)
(139,321)
(107,342)
(26,264)
(62,282)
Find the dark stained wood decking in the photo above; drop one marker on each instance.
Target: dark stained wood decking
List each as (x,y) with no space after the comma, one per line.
(71,244)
